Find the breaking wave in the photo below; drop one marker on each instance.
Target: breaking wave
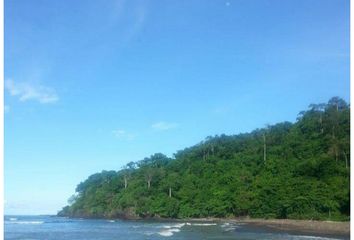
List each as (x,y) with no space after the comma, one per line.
(303,237)
(24,222)
(204,224)
(169,230)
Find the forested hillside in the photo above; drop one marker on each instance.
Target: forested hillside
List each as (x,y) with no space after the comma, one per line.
(295,170)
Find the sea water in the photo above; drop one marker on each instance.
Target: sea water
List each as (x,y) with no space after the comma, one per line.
(61,228)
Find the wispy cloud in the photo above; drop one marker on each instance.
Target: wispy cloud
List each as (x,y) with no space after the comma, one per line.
(124,135)
(163,126)
(135,13)
(26,91)
(139,20)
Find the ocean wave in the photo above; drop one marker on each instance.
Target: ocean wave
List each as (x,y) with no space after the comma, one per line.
(204,224)
(26,222)
(168,232)
(13,219)
(227,227)
(177,225)
(312,237)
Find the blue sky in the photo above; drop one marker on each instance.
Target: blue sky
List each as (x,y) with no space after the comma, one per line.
(92,85)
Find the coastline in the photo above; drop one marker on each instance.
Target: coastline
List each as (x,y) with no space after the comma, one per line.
(325,228)
(329,228)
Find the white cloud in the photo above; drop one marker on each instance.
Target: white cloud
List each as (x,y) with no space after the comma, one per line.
(127,17)
(123,135)
(163,126)
(25,91)
(139,21)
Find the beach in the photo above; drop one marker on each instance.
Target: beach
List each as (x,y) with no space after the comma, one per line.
(303,226)
(329,228)
(19,227)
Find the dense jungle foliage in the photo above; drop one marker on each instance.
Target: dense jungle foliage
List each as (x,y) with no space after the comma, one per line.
(295,170)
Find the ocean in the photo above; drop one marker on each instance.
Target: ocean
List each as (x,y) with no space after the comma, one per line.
(60,228)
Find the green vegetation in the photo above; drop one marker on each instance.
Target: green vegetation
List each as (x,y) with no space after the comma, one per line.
(295,170)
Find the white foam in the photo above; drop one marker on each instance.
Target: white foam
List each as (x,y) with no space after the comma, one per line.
(313,237)
(230,226)
(204,224)
(229,229)
(171,229)
(166,233)
(13,219)
(28,222)
(111,221)
(178,225)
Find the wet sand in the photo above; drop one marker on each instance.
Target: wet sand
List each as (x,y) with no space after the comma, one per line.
(328,228)
(324,228)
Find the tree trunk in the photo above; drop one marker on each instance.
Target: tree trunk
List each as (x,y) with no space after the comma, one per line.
(148,182)
(170,192)
(125,182)
(346,159)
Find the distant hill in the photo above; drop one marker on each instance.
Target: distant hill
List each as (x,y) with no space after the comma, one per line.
(295,170)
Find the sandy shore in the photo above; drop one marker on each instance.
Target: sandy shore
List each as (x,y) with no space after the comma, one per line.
(293,226)
(303,226)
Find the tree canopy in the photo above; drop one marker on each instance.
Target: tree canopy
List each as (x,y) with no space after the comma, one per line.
(295,170)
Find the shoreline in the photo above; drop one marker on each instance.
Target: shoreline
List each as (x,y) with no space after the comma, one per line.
(325,228)
(319,228)
(328,228)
